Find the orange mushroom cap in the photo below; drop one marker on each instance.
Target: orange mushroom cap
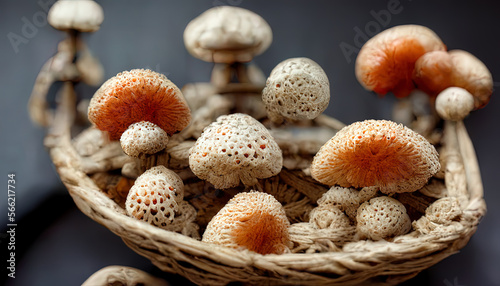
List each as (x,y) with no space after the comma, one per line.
(138,95)
(438,70)
(385,62)
(376,153)
(252,220)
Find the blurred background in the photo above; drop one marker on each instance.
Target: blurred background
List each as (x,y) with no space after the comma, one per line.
(57,245)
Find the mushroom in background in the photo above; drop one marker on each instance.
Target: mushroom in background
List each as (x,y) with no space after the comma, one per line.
(297,89)
(235,148)
(141,108)
(376,153)
(454,103)
(436,71)
(252,220)
(385,63)
(229,36)
(73,61)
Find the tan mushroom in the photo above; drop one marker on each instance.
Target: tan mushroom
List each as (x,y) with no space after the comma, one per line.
(454,103)
(382,218)
(253,220)
(143,137)
(297,89)
(227,34)
(385,63)
(436,71)
(328,216)
(235,148)
(346,199)
(376,153)
(79,15)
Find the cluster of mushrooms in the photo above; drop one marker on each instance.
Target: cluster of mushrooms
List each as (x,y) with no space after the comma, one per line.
(364,164)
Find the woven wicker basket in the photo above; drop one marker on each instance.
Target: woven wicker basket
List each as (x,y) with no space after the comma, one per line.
(321,257)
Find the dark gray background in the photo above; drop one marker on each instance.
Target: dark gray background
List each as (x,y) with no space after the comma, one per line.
(57,245)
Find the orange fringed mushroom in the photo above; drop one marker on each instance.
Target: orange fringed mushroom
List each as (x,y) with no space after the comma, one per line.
(376,153)
(255,221)
(385,62)
(438,70)
(135,96)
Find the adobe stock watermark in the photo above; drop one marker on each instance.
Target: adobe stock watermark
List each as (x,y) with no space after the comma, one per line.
(381,19)
(29,26)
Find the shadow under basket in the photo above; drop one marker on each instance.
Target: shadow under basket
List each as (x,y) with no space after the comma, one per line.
(319,257)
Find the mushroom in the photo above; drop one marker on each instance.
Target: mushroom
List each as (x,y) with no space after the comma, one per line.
(297,89)
(157,198)
(235,148)
(327,216)
(79,15)
(437,71)
(346,199)
(251,220)
(385,63)
(376,153)
(228,36)
(382,218)
(139,107)
(454,103)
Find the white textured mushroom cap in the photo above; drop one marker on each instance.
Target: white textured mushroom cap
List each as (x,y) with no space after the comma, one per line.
(227,34)
(235,148)
(454,103)
(382,217)
(345,199)
(328,216)
(472,74)
(296,89)
(81,15)
(253,220)
(143,137)
(444,211)
(155,196)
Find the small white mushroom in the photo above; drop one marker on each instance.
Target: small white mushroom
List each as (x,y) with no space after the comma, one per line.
(328,216)
(454,103)
(381,218)
(296,89)
(155,196)
(142,138)
(345,199)
(80,15)
(235,148)
(444,211)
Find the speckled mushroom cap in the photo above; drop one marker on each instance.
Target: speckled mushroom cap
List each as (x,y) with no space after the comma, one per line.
(227,34)
(138,95)
(438,70)
(381,218)
(345,199)
(376,153)
(80,15)
(253,220)
(385,62)
(454,103)
(444,210)
(155,196)
(296,89)
(235,148)
(143,138)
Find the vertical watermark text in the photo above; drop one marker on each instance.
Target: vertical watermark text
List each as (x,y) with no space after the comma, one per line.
(11,225)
